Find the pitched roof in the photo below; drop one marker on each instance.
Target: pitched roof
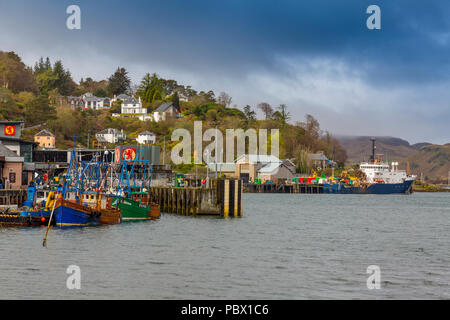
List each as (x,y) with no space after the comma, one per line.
(147,133)
(123,96)
(5,152)
(44,133)
(110,131)
(318,156)
(130,100)
(165,106)
(257,158)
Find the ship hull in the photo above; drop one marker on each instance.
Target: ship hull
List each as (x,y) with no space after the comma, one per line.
(25,218)
(376,188)
(68,214)
(132,210)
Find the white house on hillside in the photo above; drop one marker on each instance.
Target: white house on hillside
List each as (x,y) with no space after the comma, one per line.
(146,137)
(110,135)
(165,111)
(133,106)
(89,101)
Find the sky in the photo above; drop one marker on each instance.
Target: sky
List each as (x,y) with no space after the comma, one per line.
(318,56)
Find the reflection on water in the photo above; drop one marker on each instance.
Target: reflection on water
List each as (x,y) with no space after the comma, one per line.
(285,247)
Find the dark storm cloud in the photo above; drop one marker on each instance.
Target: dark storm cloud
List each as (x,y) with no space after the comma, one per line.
(284,51)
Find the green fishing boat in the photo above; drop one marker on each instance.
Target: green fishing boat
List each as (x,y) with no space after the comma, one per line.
(131,209)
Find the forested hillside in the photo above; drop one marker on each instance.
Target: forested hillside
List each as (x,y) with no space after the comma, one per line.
(38,94)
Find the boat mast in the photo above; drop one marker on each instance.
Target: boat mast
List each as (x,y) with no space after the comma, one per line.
(372,159)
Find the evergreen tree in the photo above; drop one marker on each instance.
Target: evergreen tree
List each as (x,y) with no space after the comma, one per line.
(39,110)
(175,99)
(119,82)
(156,96)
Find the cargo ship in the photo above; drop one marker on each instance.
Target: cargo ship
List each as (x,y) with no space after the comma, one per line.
(380,179)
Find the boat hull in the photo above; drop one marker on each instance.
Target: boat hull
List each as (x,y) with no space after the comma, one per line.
(68,214)
(132,210)
(376,188)
(25,218)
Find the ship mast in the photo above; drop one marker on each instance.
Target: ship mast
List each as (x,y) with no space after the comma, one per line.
(372,158)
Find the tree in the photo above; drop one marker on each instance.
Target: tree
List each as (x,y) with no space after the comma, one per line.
(39,110)
(224,99)
(266,109)
(156,96)
(175,99)
(282,114)
(119,82)
(46,81)
(100,92)
(14,75)
(312,132)
(8,108)
(63,79)
(250,115)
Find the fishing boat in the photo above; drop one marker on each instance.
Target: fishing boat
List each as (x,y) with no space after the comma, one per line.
(31,213)
(68,213)
(144,197)
(129,201)
(132,210)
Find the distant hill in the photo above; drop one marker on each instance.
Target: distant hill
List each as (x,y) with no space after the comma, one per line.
(431,160)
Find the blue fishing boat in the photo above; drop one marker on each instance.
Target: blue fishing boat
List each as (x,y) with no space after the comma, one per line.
(69,214)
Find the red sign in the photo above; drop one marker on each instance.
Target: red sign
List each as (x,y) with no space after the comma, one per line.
(117,155)
(10,130)
(129,154)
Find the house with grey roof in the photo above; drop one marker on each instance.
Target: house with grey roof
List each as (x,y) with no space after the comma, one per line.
(165,111)
(133,106)
(250,167)
(110,135)
(121,97)
(320,161)
(95,103)
(89,101)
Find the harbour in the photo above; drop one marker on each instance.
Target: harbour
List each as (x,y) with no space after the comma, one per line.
(317,247)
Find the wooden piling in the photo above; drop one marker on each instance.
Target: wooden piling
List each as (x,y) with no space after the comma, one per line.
(222,198)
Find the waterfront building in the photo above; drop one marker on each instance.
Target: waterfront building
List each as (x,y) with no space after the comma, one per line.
(250,167)
(10,137)
(320,161)
(14,172)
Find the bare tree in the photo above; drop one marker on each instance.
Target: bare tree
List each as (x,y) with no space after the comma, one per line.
(224,99)
(266,109)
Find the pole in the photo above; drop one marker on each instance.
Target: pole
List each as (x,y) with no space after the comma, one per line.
(216,152)
(164,151)
(207,171)
(44,242)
